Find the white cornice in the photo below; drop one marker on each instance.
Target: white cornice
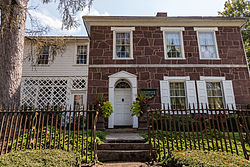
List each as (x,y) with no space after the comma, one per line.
(162,21)
(168,65)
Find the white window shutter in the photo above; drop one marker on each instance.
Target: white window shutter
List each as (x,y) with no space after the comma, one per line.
(191,94)
(229,93)
(165,93)
(202,93)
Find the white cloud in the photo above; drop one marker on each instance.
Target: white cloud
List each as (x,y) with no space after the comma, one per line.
(55,23)
(47,20)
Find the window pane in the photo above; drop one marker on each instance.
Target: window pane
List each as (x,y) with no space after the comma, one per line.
(174,51)
(173,38)
(78,102)
(206,38)
(81,57)
(215,102)
(214,93)
(45,50)
(123,45)
(208,52)
(177,95)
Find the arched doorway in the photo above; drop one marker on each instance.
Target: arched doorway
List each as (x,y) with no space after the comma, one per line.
(114,81)
(122,103)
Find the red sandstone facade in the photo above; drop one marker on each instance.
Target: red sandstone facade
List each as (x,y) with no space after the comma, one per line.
(150,65)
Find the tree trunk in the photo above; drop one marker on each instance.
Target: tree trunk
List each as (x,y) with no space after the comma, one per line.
(13,17)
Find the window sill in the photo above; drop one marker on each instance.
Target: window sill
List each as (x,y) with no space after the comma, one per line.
(79,65)
(123,58)
(41,65)
(210,59)
(181,58)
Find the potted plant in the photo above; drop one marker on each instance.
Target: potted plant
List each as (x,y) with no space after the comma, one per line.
(105,109)
(139,108)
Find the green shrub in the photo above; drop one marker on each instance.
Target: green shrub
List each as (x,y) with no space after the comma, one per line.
(106,109)
(35,158)
(205,159)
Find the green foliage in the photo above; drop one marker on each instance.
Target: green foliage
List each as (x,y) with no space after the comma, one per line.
(239,8)
(205,159)
(35,158)
(137,106)
(106,106)
(106,109)
(82,141)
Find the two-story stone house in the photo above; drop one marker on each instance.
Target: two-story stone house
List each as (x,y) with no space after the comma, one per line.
(186,59)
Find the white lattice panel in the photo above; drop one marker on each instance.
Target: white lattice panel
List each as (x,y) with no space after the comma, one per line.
(40,91)
(79,83)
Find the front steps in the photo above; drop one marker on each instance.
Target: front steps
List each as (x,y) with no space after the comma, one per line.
(124,147)
(125,152)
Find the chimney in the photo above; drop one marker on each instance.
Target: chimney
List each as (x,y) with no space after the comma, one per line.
(161,14)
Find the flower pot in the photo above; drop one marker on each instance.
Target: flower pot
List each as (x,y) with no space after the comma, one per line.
(142,120)
(100,125)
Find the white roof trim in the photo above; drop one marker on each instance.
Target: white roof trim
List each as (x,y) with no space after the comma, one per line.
(122,28)
(206,29)
(172,29)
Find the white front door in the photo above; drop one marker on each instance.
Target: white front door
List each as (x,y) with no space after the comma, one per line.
(122,112)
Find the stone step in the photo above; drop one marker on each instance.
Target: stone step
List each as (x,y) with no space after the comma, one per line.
(124,138)
(124,141)
(127,164)
(123,146)
(122,130)
(123,155)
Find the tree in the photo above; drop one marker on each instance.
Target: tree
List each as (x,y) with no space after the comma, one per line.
(12,31)
(239,8)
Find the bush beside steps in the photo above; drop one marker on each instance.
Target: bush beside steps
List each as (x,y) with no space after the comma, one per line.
(38,158)
(205,159)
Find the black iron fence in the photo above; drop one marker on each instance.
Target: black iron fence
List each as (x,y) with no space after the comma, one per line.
(202,128)
(49,128)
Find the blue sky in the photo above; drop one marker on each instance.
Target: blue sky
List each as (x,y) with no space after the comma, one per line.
(49,16)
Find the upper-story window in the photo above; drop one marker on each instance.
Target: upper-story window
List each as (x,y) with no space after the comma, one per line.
(81,56)
(173,42)
(43,57)
(207,43)
(122,42)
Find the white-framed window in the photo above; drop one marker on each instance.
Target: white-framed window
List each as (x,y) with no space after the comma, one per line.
(216,92)
(173,42)
(208,48)
(177,95)
(177,92)
(81,54)
(215,95)
(44,56)
(122,42)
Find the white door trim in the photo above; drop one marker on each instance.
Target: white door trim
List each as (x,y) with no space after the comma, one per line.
(132,79)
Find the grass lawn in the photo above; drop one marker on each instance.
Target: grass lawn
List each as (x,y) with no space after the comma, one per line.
(176,141)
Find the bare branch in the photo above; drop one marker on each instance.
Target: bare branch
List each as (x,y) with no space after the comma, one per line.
(35,27)
(69,9)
